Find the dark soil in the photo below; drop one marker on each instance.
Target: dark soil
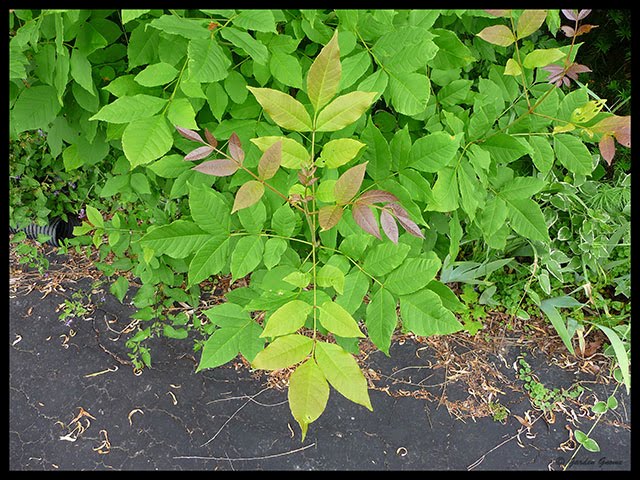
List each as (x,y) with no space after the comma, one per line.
(75,403)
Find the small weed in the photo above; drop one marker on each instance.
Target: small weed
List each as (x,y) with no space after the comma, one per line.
(499,412)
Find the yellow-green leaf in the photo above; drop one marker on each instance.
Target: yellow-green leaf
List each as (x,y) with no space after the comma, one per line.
(498,35)
(308,394)
(343,373)
(285,110)
(294,155)
(512,68)
(283,352)
(324,75)
(287,319)
(344,110)
(336,153)
(247,195)
(542,57)
(338,321)
(530,21)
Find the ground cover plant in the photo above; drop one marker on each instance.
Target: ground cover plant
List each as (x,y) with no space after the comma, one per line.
(342,170)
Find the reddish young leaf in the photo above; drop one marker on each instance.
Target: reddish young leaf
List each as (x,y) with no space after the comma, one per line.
(585,29)
(498,13)
(607,148)
(210,138)
(403,217)
(498,35)
(247,195)
(199,153)
(235,148)
(189,134)
(218,168)
(620,127)
(377,196)
(270,161)
(365,218)
(329,216)
(389,225)
(348,184)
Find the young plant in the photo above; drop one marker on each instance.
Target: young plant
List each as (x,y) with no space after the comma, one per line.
(315,298)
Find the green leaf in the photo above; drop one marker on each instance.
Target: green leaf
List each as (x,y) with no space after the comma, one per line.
(259,20)
(94,216)
(248,194)
(169,166)
(142,48)
(336,153)
(273,250)
(181,113)
(526,218)
(541,153)
(246,42)
(542,57)
(287,319)
(343,111)
(493,216)
(621,354)
(286,69)
(445,191)
(573,154)
(36,107)
(177,239)
(146,139)
(505,148)
(246,256)
(448,298)
(468,184)
(599,407)
(285,110)
(377,153)
(283,352)
(128,109)
(130,14)
(423,314)
(209,211)
(338,321)
(209,260)
(330,276)
(588,443)
(385,257)
(498,35)
(241,334)
(549,308)
(348,185)
(324,74)
(521,187)
(343,373)
(381,319)
(190,28)
(376,82)
(81,70)
(139,183)
(353,68)
(156,74)
(283,221)
(308,394)
(299,279)
(405,49)
(356,286)
(61,75)
(294,155)
(434,151)
(119,288)
(236,87)
(207,62)
(414,274)
(217,99)
(409,92)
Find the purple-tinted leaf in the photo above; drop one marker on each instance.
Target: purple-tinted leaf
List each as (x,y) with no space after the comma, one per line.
(247,195)
(570,14)
(560,75)
(218,168)
(329,216)
(235,148)
(607,148)
(199,153)
(210,138)
(270,161)
(583,13)
(568,31)
(189,134)
(365,218)
(403,217)
(389,225)
(348,184)
(377,196)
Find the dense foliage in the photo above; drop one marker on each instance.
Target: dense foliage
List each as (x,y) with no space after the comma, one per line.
(352,164)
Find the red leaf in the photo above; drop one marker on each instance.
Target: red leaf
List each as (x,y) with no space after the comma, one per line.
(235,148)
(270,161)
(219,168)
(403,217)
(329,216)
(189,134)
(389,225)
(210,138)
(607,148)
(348,184)
(377,196)
(199,153)
(365,218)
